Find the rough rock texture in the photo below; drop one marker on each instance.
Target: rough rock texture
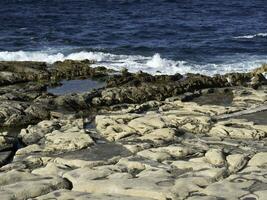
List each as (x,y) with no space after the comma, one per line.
(56,136)
(23,185)
(142,137)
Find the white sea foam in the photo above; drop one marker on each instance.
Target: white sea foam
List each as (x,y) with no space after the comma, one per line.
(134,63)
(251,36)
(31,56)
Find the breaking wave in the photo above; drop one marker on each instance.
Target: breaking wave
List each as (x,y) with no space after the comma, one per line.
(134,63)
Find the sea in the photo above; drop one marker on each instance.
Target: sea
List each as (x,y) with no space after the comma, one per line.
(154,36)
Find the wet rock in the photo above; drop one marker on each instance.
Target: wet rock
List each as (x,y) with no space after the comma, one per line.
(15,113)
(258,80)
(6,141)
(7,78)
(70,69)
(151,91)
(76,102)
(128,79)
(260,70)
(25,71)
(238,78)
(5,156)
(140,145)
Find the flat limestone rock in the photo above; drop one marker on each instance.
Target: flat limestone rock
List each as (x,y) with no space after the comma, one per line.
(195,166)
(165,153)
(196,197)
(238,128)
(147,123)
(261,194)
(162,149)
(55,136)
(228,190)
(159,136)
(67,141)
(114,127)
(52,169)
(103,180)
(185,186)
(24,185)
(67,194)
(259,159)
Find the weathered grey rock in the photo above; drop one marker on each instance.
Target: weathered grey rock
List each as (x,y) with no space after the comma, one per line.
(238,128)
(215,157)
(15,113)
(67,194)
(51,169)
(55,136)
(259,159)
(67,141)
(191,165)
(185,186)
(19,185)
(145,185)
(165,153)
(33,134)
(179,148)
(236,162)
(228,190)
(7,78)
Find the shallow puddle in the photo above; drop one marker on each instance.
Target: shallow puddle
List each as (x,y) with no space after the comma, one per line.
(76,86)
(100,151)
(257,118)
(221,99)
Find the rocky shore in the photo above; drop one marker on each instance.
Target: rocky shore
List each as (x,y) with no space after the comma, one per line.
(163,137)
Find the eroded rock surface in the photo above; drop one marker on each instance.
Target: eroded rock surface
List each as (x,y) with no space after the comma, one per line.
(141,137)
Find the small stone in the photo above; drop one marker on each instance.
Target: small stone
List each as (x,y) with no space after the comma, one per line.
(215,157)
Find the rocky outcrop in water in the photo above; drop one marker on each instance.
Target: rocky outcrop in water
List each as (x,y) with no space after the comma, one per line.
(141,137)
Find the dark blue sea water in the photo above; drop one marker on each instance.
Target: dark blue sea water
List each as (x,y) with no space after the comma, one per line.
(161,35)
